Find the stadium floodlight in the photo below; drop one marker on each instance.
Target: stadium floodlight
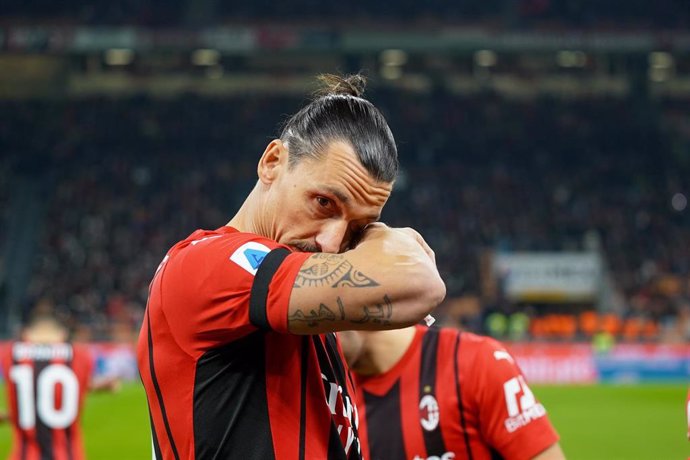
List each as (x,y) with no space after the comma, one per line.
(659,74)
(391,72)
(393,57)
(660,60)
(205,57)
(660,66)
(119,56)
(679,202)
(485,58)
(570,59)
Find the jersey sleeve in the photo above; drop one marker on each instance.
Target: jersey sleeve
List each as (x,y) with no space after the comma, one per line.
(5,359)
(83,365)
(218,288)
(511,419)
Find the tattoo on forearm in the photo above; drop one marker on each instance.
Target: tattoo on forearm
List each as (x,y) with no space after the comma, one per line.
(355,278)
(380,313)
(332,270)
(313,317)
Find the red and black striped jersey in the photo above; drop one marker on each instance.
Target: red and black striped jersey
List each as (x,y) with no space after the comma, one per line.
(46,384)
(223,377)
(451,396)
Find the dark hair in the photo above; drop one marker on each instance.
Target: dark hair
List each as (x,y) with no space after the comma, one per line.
(338,112)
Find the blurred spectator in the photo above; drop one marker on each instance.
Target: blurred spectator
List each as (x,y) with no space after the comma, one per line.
(478,172)
(547,13)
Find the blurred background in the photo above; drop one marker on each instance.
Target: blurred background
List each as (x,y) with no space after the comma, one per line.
(545,150)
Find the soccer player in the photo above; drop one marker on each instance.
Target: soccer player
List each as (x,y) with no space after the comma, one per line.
(46,379)
(237,352)
(429,393)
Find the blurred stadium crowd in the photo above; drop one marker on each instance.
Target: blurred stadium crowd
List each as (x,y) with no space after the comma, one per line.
(126,178)
(122,178)
(578,13)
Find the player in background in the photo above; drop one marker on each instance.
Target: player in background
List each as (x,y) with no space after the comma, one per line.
(429,393)
(46,379)
(237,352)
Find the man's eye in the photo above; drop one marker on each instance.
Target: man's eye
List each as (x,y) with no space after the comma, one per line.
(323,201)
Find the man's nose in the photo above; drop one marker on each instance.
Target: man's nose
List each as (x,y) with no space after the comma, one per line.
(332,237)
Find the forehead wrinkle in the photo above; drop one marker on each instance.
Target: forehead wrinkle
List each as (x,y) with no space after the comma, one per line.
(365,192)
(369,189)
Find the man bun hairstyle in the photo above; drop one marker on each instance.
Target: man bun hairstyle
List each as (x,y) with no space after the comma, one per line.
(338,112)
(352,85)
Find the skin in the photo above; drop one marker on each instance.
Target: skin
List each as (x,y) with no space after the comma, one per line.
(45,331)
(317,205)
(552,453)
(376,352)
(363,274)
(372,353)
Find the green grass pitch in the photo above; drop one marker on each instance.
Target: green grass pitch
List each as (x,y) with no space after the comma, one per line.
(602,422)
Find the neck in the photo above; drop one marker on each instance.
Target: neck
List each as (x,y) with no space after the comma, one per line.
(247,217)
(383,350)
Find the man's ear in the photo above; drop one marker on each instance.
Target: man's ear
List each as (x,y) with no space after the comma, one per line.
(273,160)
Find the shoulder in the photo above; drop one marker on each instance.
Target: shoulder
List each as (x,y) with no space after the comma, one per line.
(5,352)
(81,351)
(471,348)
(6,348)
(83,359)
(469,345)
(481,347)
(209,259)
(225,238)
(245,250)
(485,359)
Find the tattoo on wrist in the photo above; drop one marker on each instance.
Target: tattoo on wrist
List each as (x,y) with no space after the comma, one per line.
(332,270)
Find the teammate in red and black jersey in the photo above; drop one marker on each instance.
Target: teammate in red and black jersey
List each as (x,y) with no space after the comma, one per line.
(426,393)
(46,379)
(237,352)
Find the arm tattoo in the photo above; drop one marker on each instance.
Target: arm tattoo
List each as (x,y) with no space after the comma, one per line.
(379,313)
(332,270)
(313,317)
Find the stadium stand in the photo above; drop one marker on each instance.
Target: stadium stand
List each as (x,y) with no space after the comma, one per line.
(524,127)
(579,13)
(129,177)
(4,211)
(4,196)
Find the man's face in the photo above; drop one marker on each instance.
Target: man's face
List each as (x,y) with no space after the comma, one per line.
(323,204)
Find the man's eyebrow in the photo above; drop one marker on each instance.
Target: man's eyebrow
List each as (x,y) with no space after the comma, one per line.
(346,200)
(337,193)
